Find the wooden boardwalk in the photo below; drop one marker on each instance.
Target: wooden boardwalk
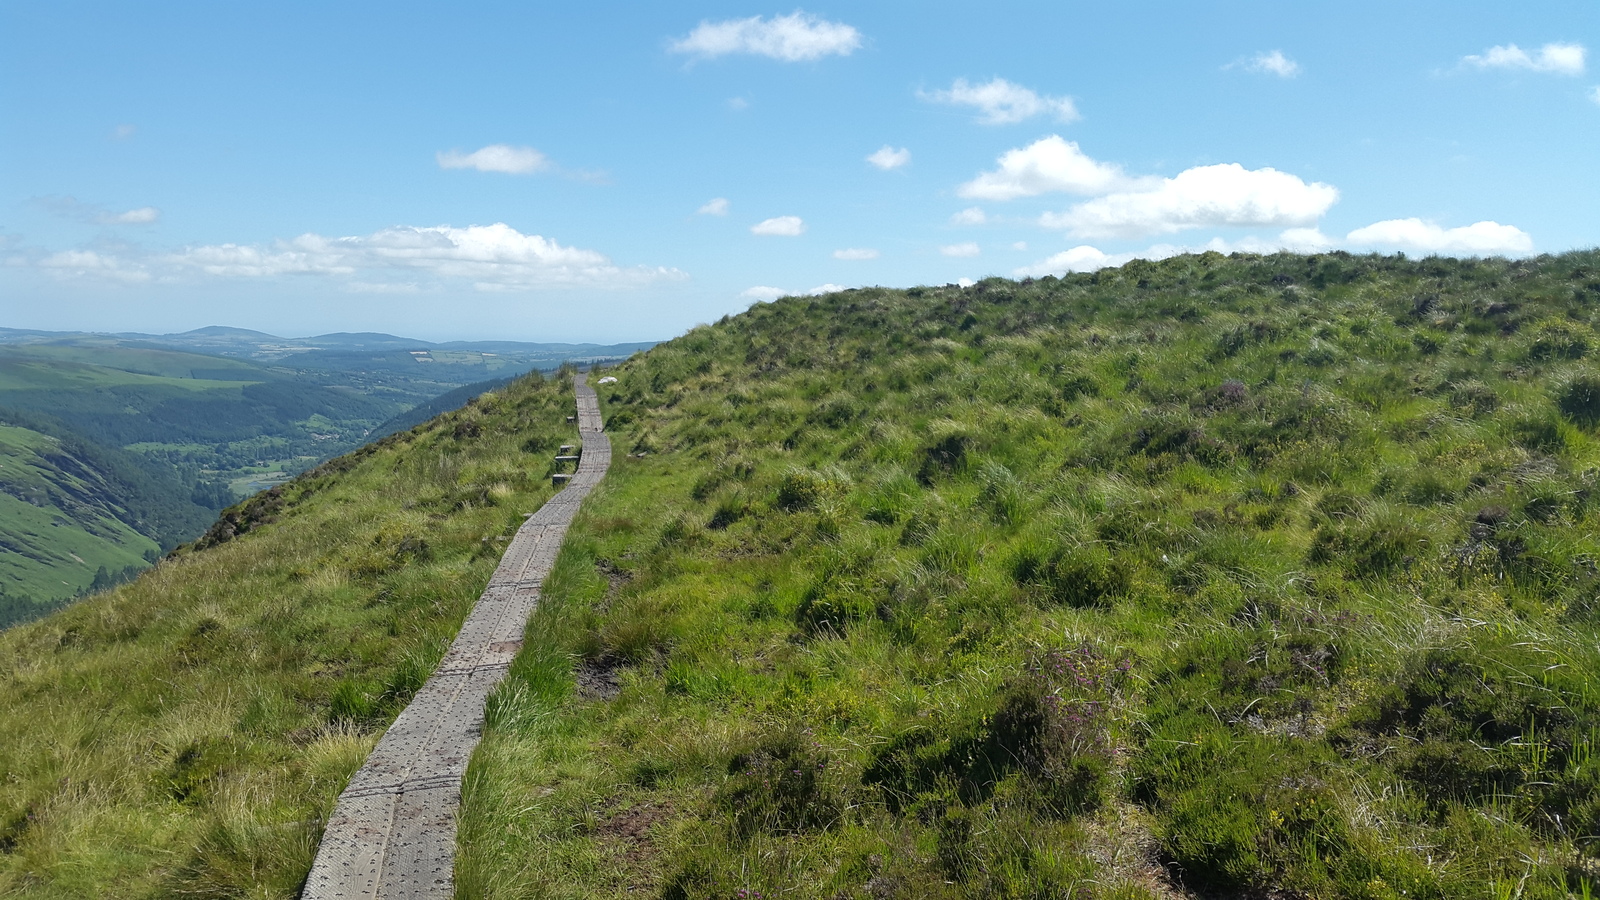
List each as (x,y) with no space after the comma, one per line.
(393,832)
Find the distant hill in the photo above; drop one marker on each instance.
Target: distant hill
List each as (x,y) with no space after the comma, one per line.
(77,516)
(208,416)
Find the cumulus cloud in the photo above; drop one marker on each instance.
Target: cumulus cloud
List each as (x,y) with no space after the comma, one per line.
(1271,62)
(967,249)
(496,158)
(764,292)
(490,257)
(1478,239)
(797,37)
(887,157)
(1045,166)
(716,206)
(856,253)
(780,226)
(972,215)
(1554,58)
(829,288)
(1083,258)
(1226,195)
(999,102)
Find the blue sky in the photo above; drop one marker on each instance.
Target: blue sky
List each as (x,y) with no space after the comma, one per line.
(623,171)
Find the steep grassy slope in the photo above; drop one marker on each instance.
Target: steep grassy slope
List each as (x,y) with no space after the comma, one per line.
(1247,576)
(185,734)
(75,516)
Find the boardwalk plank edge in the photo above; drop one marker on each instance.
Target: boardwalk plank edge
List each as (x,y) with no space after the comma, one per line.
(392,834)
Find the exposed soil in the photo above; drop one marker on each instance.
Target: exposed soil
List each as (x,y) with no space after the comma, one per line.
(600,678)
(628,831)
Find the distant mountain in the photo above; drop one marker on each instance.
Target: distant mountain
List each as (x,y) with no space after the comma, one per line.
(227,341)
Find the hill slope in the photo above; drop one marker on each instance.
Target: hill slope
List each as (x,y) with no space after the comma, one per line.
(1259,577)
(1249,576)
(185,734)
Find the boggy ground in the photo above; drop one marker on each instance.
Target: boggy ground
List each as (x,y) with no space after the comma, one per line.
(1218,576)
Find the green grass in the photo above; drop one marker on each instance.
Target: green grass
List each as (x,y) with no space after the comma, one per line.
(1235,576)
(186,734)
(1248,576)
(56,536)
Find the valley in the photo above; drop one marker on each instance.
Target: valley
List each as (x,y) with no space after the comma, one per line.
(201,419)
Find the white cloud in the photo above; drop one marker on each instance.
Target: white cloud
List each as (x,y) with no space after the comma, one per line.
(1594,93)
(967,249)
(1226,195)
(738,104)
(123,132)
(796,37)
(764,292)
(965,282)
(1020,245)
(144,215)
(1477,239)
(496,158)
(1078,259)
(829,288)
(854,253)
(716,206)
(780,226)
(1002,103)
(88,263)
(972,215)
(73,208)
(490,257)
(1555,58)
(1268,63)
(1044,166)
(383,287)
(887,157)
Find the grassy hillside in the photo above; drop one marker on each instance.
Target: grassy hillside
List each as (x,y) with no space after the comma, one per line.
(76,517)
(1219,576)
(185,734)
(1257,577)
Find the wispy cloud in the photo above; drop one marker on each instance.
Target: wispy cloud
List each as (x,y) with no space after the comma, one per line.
(886,157)
(856,253)
(1594,93)
(1554,58)
(716,206)
(797,37)
(961,251)
(496,158)
(124,132)
(94,214)
(972,215)
(1001,102)
(779,226)
(1048,165)
(1267,62)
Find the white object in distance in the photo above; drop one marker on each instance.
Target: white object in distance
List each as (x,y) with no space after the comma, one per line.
(609,379)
